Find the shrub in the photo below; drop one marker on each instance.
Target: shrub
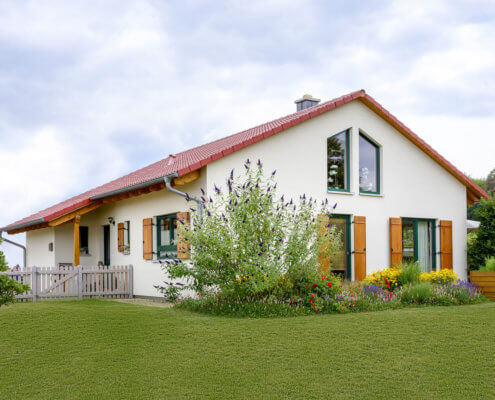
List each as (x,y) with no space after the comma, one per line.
(439,276)
(417,294)
(249,242)
(484,244)
(9,288)
(489,264)
(389,277)
(410,272)
(460,292)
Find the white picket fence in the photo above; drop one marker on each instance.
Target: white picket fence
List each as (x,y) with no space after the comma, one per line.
(75,282)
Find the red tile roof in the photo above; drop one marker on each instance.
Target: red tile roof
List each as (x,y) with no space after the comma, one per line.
(197,157)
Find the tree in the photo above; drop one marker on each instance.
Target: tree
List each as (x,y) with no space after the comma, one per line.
(9,287)
(490,182)
(484,244)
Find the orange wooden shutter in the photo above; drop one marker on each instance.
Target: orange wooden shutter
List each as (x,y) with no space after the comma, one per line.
(120,236)
(446,260)
(148,238)
(183,247)
(323,223)
(359,248)
(395,242)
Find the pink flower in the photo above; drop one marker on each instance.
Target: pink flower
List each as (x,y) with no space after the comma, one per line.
(312,295)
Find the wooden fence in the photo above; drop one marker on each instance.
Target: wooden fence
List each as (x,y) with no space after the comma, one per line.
(75,282)
(485,281)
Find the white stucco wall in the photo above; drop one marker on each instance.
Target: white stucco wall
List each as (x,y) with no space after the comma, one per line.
(37,243)
(413,185)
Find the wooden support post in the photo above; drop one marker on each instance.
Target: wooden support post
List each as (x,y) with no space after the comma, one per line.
(77,220)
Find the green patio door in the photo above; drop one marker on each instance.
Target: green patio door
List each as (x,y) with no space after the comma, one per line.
(340,264)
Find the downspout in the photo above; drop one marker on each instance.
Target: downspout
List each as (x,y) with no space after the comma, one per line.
(168,184)
(24,250)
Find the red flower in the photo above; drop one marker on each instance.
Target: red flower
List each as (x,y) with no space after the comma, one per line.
(307,285)
(316,309)
(352,294)
(315,284)
(329,284)
(312,295)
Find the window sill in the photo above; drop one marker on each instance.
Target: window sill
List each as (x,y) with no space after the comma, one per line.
(84,255)
(371,194)
(339,192)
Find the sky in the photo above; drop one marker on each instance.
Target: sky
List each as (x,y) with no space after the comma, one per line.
(92,90)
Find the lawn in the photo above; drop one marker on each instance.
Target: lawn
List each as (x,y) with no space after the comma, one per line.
(108,350)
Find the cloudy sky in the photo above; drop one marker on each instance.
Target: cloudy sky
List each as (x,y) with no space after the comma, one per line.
(90,91)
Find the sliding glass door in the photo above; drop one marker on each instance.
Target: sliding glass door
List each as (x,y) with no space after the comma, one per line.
(418,242)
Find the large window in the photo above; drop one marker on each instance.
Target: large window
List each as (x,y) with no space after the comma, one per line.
(418,242)
(166,236)
(338,162)
(369,166)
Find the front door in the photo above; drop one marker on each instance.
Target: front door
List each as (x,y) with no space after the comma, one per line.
(340,263)
(106,244)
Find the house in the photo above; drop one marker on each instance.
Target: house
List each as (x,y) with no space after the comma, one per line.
(397,198)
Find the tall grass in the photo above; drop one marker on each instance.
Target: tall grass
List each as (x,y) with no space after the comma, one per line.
(410,273)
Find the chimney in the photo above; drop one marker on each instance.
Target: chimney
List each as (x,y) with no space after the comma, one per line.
(306,101)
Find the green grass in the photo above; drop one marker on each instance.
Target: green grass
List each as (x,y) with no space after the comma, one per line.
(108,350)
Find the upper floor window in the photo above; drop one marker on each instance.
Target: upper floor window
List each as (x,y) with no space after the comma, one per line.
(369,166)
(338,162)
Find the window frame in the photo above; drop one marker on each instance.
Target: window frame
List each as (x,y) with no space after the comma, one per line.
(347,239)
(378,164)
(172,248)
(127,235)
(81,229)
(433,226)
(347,163)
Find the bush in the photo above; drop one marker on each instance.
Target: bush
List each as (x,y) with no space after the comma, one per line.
(410,273)
(250,243)
(439,276)
(9,288)
(489,264)
(417,294)
(460,292)
(389,277)
(484,244)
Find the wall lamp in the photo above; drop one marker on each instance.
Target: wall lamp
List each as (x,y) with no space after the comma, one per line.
(111,220)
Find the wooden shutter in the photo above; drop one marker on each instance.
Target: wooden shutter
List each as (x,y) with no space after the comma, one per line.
(183,247)
(446,259)
(323,224)
(359,248)
(120,236)
(148,238)
(395,242)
